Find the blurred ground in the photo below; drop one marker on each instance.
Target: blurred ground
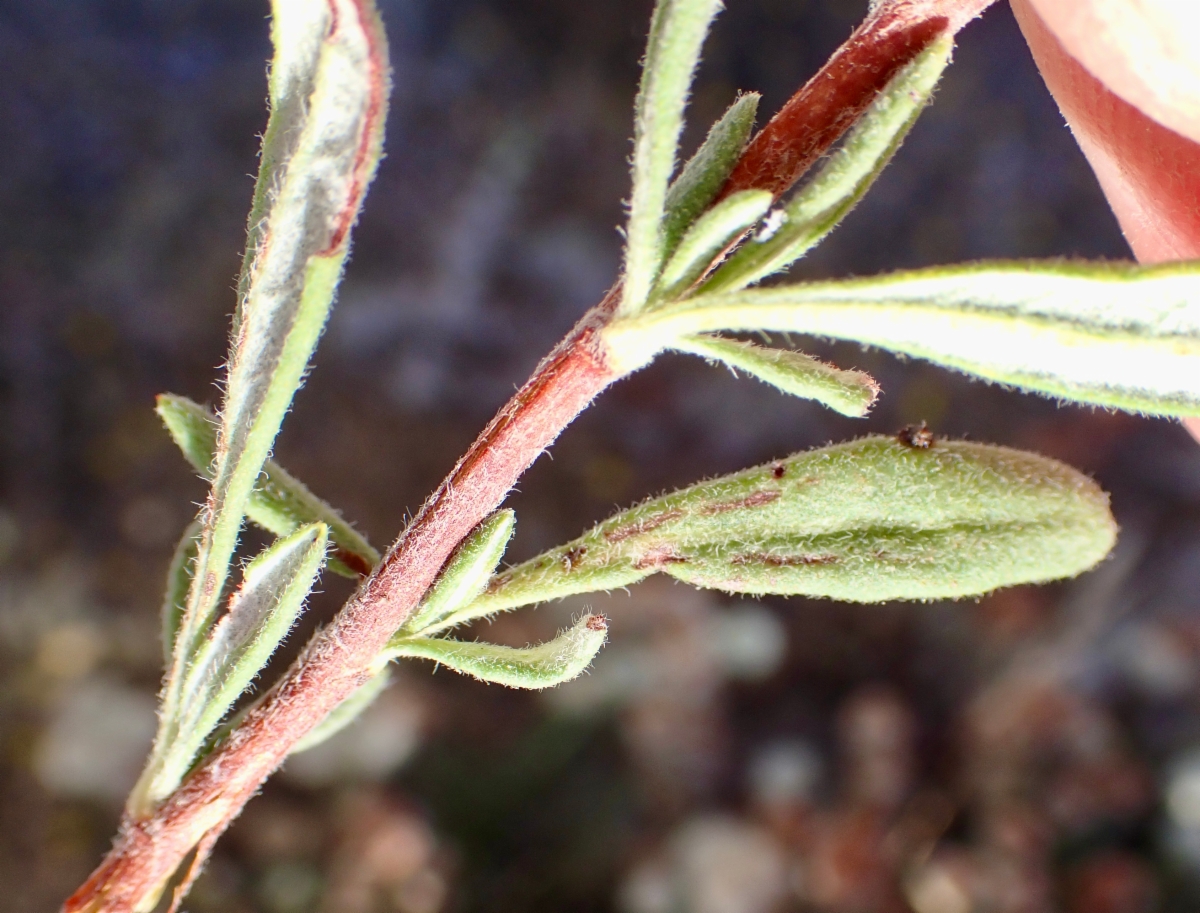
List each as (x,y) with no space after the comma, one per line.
(1036,751)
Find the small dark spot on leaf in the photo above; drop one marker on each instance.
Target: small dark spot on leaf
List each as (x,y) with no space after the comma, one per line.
(779,470)
(757,499)
(919,437)
(572,556)
(642,526)
(658,558)
(783,560)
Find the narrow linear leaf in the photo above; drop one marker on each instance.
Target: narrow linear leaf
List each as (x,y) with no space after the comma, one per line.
(851,393)
(328,104)
(466,573)
(867,521)
(280,503)
(179,580)
(844,178)
(261,612)
(677,32)
(1113,335)
(708,236)
(346,712)
(542,666)
(704,174)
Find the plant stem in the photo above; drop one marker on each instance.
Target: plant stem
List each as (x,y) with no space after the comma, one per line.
(828,104)
(148,850)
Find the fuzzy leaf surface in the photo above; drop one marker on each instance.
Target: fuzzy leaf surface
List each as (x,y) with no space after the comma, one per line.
(677,32)
(261,612)
(542,666)
(1107,334)
(709,235)
(867,521)
(845,177)
(280,503)
(705,172)
(851,393)
(322,144)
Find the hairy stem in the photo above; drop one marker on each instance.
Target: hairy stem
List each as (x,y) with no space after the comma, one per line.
(828,104)
(339,659)
(148,850)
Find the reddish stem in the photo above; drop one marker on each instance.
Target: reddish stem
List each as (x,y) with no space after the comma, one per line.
(339,658)
(828,104)
(148,851)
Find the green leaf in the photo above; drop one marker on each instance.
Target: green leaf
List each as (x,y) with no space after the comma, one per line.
(851,393)
(179,580)
(867,521)
(542,666)
(280,503)
(843,180)
(328,94)
(1113,335)
(709,236)
(346,712)
(466,573)
(261,612)
(703,176)
(677,32)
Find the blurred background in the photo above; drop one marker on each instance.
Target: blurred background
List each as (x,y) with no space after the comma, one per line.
(1037,750)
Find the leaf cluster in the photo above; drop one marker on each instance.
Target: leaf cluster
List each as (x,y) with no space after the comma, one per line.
(871,520)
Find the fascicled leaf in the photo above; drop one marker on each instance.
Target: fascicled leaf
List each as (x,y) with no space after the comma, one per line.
(867,521)
(677,32)
(323,141)
(703,176)
(280,503)
(543,666)
(261,612)
(466,573)
(1113,335)
(708,236)
(845,177)
(851,393)
(346,712)
(179,580)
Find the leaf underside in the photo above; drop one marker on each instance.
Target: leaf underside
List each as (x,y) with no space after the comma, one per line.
(1113,335)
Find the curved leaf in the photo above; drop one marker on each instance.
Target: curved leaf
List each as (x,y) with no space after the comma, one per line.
(543,666)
